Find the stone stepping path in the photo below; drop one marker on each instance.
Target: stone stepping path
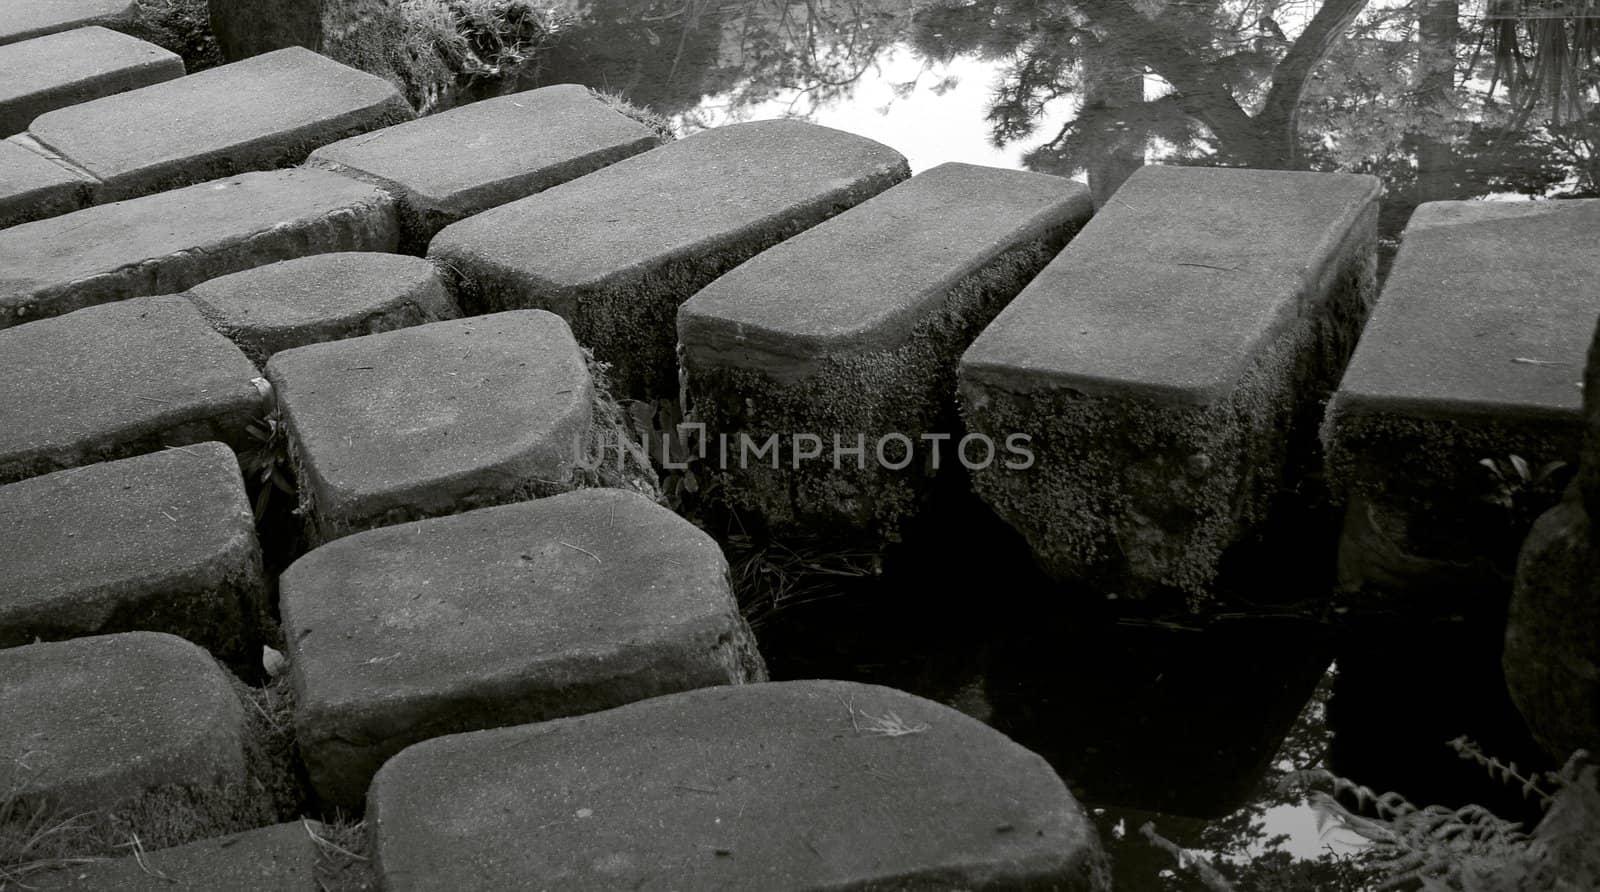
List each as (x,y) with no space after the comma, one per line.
(774,786)
(851,332)
(617,251)
(280,858)
(501,616)
(434,419)
(47,73)
(324,297)
(1167,364)
(264,112)
(163,542)
(146,374)
(27,19)
(165,243)
(33,187)
(1475,351)
(499,150)
(103,722)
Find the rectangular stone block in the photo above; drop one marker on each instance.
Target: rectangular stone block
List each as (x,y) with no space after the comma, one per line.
(850,332)
(1169,368)
(163,542)
(280,858)
(116,381)
(264,112)
(33,187)
(27,19)
(498,150)
(1475,352)
(617,251)
(166,243)
(58,70)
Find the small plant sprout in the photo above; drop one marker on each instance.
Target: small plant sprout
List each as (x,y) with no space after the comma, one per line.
(889,724)
(1514,478)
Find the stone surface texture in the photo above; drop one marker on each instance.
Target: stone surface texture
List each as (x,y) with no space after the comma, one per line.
(146,374)
(28,19)
(166,243)
(161,542)
(33,187)
(766,786)
(1169,367)
(323,297)
(617,251)
(280,858)
(47,73)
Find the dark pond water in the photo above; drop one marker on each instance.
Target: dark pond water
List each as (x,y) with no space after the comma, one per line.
(1149,715)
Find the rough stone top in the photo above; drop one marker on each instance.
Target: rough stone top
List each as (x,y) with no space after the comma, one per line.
(280,858)
(286,95)
(25,19)
(459,160)
(88,529)
(772,786)
(863,280)
(1489,308)
(590,575)
(307,290)
(23,170)
(689,196)
(54,255)
(88,718)
(72,56)
(1170,291)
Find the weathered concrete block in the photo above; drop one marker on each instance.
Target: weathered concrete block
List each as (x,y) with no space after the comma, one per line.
(500,150)
(162,542)
(433,420)
(1169,367)
(105,722)
(33,187)
(265,112)
(143,374)
(617,251)
(850,332)
(58,70)
(280,858)
(27,19)
(501,616)
(686,790)
(1474,352)
(166,243)
(324,297)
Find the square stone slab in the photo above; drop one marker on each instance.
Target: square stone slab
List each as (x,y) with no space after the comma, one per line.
(280,858)
(27,19)
(434,419)
(144,374)
(617,251)
(786,786)
(324,297)
(163,244)
(499,150)
(33,187)
(94,723)
(264,112)
(47,73)
(1169,366)
(501,616)
(851,332)
(162,542)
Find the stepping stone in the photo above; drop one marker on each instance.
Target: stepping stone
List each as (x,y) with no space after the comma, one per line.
(690,791)
(169,242)
(264,112)
(103,722)
(163,542)
(1475,351)
(1168,367)
(33,187)
(324,297)
(27,19)
(280,858)
(851,331)
(571,604)
(433,420)
(47,73)
(500,149)
(617,251)
(143,374)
